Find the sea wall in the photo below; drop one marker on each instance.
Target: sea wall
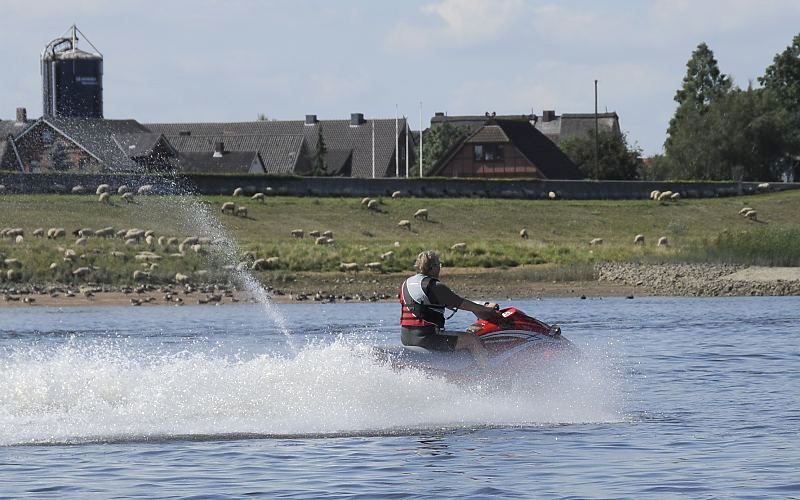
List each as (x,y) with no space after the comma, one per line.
(358,187)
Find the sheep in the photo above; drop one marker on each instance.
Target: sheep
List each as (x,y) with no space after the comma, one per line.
(372,205)
(405,223)
(241,211)
(314,234)
(258,197)
(744,210)
(638,239)
(128,197)
(460,247)
(104,198)
(328,234)
(102,188)
(387,256)
(552,195)
(349,266)
(172,242)
(19,239)
(654,194)
(397,243)
(664,196)
(85,232)
(81,272)
(297,233)
(397,194)
(523,233)
(81,241)
(322,240)
(145,189)
(69,255)
(53,266)
(130,242)
(181,278)
(140,275)
(12,275)
(365,201)
(764,186)
(150,240)
(228,206)
(12,263)
(162,241)
(663,242)
(136,234)
(596,241)
(752,215)
(106,232)
(374,266)
(422,213)
(260,264)
(122,189)
(273,261)
(675,196)
(238,191)
(2,188)
(38,232)
(78,189)
(149,232)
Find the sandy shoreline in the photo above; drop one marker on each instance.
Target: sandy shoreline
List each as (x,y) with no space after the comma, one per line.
(614,280)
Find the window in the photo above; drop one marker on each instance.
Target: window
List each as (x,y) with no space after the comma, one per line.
(487,152)
(47,136)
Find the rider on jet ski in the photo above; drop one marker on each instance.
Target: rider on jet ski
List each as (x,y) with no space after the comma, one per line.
(424,298)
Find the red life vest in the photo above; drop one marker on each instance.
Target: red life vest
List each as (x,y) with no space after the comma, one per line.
(416,309)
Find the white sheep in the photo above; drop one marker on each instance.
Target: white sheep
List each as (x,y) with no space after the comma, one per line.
(273,261)
(374,266)
(764,186)
(260,264)
(82,241)
(523,233)
(638,239)
(397,194)
(104,198)
(322,240)
(128,197)
(86,232)
(181,278)
(460,247)
(81,272)
(405,223)
(145,189)
(241,211)
(552,195)
(372,205)
(314,234)
(69,255)
(744,210)
(328,234)
(365,201)
(349,266)
(664,196)
(297,233)
(258,197)
(19,239)
(122,189)
(140,275)
(675,196)
(102,188)
(596,241)
(228,206)
(106,232)
(752,215)
(238,191)
(38,232)
(2,188)
(422,213)
(78,189)
(654,194)
(149,232)
(387,255)
(150,240)
(663,242)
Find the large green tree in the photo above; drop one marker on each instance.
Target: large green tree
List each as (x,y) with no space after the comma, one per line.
(318,165)
(616,159)
(782,77)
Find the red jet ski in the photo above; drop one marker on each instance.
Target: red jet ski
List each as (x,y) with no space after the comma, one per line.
(518,340)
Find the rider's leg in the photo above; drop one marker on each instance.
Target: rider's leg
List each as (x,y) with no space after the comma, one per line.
(473,344)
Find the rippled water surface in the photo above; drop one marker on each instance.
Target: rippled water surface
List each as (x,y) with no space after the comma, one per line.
(673,397)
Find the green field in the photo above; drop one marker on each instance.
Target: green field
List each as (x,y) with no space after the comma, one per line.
(560,232)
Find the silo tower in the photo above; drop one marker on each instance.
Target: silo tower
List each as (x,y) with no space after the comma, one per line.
(72,79)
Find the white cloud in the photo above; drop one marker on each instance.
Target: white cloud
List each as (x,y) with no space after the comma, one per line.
(456,23)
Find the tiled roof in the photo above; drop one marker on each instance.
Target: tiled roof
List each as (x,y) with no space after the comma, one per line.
(280,153)
(137,145)
(229,163)
(337,134)
(540,150)
(489,134)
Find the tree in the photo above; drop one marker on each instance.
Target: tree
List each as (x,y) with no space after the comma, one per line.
(782,77)
(318,166)
(616,159)
(437,141)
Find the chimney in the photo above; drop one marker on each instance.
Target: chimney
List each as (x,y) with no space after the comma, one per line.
(439,114)
(184,133)
(356,119)
(548,115)
(219,149)
(311,119)
(22,115)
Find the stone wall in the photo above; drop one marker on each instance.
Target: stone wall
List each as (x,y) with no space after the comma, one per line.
(357,187)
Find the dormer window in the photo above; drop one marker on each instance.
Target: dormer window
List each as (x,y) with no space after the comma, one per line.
(47,136)
(487,152)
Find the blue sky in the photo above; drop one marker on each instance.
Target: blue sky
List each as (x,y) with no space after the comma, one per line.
(204,60)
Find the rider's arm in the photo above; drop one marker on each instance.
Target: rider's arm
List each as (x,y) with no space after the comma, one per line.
(443,295)
(481,311)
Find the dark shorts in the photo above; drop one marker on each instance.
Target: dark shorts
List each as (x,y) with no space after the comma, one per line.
(433,341)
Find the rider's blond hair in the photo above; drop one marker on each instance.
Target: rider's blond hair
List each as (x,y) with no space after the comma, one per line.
(428,263)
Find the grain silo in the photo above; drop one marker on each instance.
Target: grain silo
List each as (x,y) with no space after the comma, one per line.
(72,79)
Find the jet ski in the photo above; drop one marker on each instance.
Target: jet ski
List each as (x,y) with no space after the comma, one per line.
(518,341)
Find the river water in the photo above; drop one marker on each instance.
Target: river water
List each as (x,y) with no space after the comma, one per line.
(673,397)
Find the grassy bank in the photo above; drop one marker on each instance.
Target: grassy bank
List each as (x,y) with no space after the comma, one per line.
(560,231)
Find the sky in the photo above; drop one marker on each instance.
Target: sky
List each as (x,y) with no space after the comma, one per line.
(206,60)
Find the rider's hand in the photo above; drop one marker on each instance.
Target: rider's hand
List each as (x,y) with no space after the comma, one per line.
(492,305)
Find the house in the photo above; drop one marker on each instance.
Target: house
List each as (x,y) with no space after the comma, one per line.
(221,161)
(93,145)
(357,147)
(506,148)
(556,127)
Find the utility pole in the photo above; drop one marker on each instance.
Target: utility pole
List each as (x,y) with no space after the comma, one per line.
(596,147)
(420,139)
